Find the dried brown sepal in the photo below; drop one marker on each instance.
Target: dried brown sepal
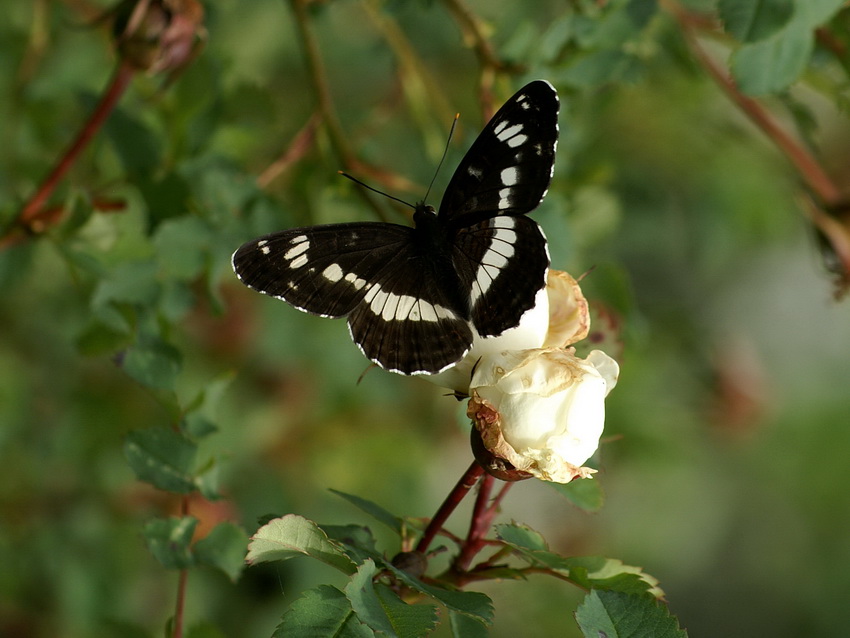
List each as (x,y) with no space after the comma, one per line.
(481,412)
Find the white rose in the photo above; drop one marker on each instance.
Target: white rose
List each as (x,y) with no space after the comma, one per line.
(542,410)
(559,318)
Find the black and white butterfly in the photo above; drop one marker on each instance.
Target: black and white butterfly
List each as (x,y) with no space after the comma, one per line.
(415,297)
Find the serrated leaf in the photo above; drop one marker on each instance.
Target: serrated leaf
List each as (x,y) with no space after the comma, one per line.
(374,510)
(162,457)
(169,540)
(466,627)
(291,536)
(590,572)
(753,20)
(619,615)
(224,549)
(153,363)
(319,613)
(357,540)
(382,610)
(470,603)
(584,493)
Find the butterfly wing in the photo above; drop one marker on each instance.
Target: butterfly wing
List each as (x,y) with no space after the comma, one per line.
(500,254)
(502,261)
(323,270)
(374,273)
(508,168)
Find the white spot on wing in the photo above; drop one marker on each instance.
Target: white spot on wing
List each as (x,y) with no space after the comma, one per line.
(510,176)
(510,132)
(300,261)
(504,198)
(332,273)
(517,140)
(265,249)
(298,249)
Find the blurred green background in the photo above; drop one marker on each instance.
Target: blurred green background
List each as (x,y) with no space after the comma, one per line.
(724,465)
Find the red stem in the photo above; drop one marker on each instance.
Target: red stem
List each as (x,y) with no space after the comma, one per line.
(461,489)
(177,630)
(478,526)
(181,602)
(119,83)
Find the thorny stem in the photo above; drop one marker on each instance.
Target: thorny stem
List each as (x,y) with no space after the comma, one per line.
(29,216)
(461,489)
(808,167)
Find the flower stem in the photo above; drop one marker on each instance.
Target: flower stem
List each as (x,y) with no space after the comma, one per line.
(119,83)
(466,483)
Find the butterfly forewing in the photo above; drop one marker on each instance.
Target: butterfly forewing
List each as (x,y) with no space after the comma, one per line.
(323,270)
(508,169)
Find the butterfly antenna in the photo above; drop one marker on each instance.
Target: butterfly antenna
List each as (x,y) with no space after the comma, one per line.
(442,159)
(375,190)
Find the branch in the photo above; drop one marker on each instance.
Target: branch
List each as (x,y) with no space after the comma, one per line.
(461,489)
(807,166)
(32,217)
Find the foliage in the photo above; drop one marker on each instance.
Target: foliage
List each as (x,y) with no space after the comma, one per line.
(153,410)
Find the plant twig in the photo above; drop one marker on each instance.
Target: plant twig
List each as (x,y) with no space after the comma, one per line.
(321,88)
(808,167)
(461,489)
(473,31)
(31,212)
(297,148)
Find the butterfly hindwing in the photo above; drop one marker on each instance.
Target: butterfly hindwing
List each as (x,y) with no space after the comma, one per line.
(508,168)
(503,262)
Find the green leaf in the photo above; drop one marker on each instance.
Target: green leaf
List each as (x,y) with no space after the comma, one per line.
(470,603)
(292,535)
(372,509)
(771,65)
(382,610)
(753,20)
(153,363)
(162,457)
(464,626)
(224,549)
(586,493)
(132,282)
(595,572)
(319,613)
(169,540)
(619,615)
(358,540)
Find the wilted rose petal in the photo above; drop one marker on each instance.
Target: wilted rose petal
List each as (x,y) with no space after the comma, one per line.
(543,410)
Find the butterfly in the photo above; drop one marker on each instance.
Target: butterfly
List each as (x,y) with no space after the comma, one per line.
(415,297)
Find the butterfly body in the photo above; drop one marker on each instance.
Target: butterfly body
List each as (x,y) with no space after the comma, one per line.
(415,297)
